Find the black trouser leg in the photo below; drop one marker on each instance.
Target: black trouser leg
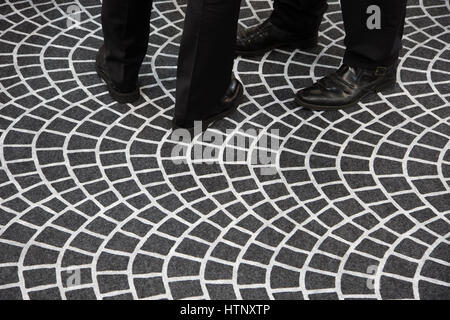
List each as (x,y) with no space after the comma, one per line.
(300,16)
(373,48)
(206,58)
(126,28)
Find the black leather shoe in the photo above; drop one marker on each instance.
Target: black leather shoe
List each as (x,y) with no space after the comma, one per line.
(258,40)
(119,95)
(229,104)
(346,88)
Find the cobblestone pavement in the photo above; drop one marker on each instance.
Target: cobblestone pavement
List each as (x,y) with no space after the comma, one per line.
(92,206)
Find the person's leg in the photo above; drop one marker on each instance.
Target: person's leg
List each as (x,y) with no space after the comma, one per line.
(299,16)
(206,59)
(126,28)
(373,39)
(293,23)
(372,48)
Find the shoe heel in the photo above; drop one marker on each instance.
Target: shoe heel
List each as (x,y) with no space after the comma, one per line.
(387,86)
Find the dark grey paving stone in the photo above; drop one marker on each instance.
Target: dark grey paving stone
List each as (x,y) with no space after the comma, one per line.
(436,270)
(47,294)
(53,237)
(283,278)
(192,248)
(248,274)
(72,258)
(81,294)
(11,294)
(218,271)
(109,283)
(316,280)
(431,291)
(392,288)
(254,294)
(356,285)
(221,292)
(37,255)
(112,262)
(86,242)
(144,264)
(8,275)
(181,267)
(258,254)
(185,289)
(158,244)
(39,277)
(18,233)
(149,287)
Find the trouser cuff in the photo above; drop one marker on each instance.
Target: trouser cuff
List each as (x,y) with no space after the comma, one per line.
(356,61)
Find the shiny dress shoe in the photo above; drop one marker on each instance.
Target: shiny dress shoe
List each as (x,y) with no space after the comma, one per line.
(346,88)
(230,102)
(118,94)
(257,40)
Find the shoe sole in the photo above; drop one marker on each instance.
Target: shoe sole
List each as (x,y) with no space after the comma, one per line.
(302,45)
(314,107)
(117,96)
(209,121)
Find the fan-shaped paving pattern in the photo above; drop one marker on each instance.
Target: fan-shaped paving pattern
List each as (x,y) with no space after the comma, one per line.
(359,206)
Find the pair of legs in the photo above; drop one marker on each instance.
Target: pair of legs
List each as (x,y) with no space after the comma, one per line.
(374,30)
(205,59)
(365,48)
